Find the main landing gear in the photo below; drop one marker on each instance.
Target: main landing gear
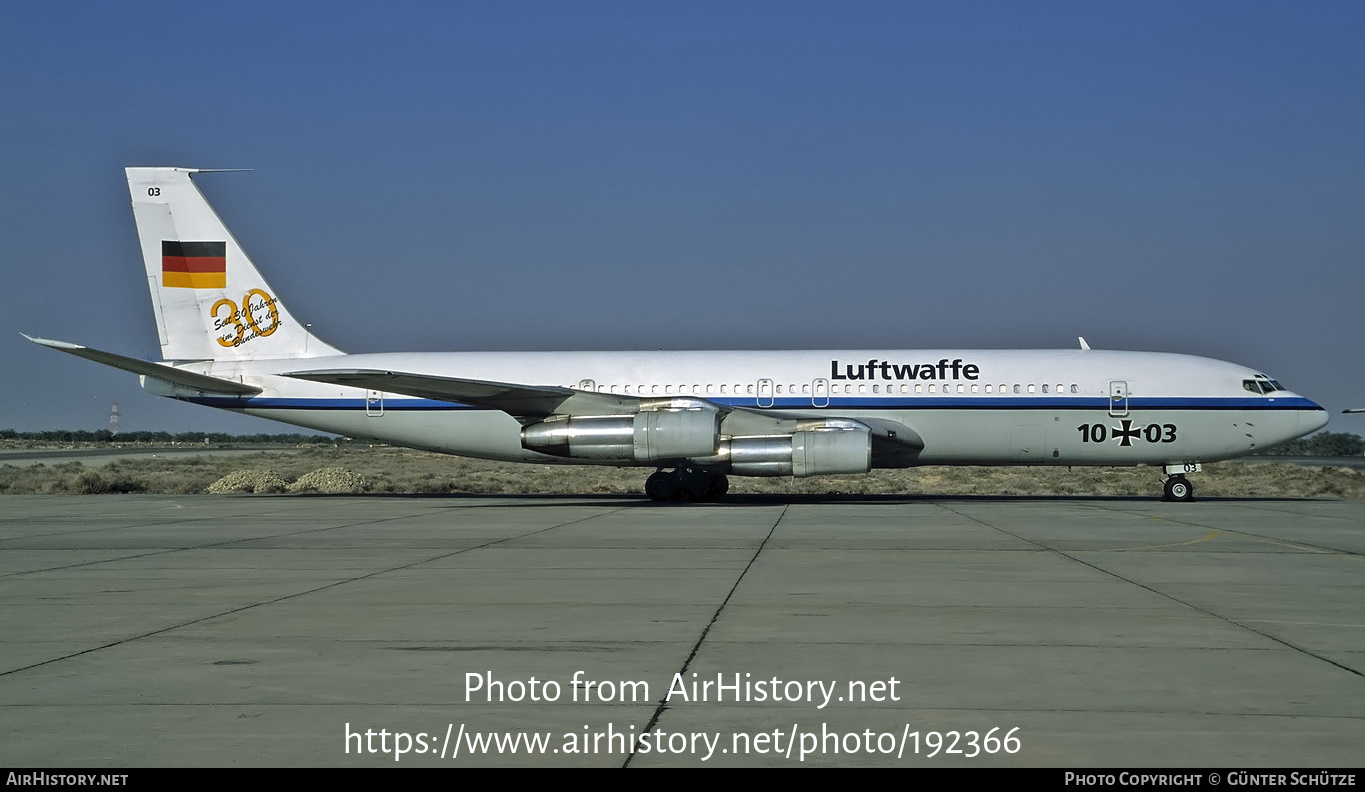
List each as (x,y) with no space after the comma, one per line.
(1177,489)
(685,482)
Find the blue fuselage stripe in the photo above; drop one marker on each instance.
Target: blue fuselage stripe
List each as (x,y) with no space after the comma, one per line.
(397,404)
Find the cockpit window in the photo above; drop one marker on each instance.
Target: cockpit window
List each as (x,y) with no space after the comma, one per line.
(1262,384)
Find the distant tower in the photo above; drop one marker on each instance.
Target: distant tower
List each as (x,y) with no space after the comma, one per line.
(113,417)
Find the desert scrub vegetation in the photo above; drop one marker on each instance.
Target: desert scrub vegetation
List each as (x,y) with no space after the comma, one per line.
(356,470)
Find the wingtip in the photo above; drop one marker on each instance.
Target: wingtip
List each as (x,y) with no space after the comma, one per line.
(48,342)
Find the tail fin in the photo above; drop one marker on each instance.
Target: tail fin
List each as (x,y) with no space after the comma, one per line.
(210,301)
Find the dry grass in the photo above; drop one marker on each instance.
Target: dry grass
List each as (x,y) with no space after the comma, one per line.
(392,470)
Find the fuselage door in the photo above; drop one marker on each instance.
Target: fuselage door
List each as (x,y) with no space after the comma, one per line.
(1118,399)
(374,403)
(819,393)
(765,393)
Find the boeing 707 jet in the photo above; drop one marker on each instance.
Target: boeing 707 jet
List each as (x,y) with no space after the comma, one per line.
(228,341)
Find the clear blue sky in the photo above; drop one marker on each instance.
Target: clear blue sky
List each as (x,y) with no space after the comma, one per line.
(1163,176)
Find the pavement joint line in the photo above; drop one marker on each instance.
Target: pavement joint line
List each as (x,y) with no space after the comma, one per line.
(296,594)
(1250,505)
(1170,597)
(210,545)
(1304,546)
(936,709)
(131,524)
(663,702)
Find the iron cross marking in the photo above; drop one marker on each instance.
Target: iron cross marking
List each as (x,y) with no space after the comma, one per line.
(1127,433)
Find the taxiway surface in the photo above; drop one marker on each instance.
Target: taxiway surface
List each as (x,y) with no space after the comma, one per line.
(256,631)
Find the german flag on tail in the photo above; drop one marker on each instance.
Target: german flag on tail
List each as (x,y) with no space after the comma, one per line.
(194,265)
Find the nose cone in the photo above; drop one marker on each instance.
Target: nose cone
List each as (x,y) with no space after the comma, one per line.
(1311,420)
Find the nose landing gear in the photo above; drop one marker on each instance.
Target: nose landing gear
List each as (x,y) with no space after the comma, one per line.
(1177,488)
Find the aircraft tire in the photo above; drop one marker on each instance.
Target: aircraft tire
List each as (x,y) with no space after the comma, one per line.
(719,485)
(659,487)
(1178,489)
(697,487)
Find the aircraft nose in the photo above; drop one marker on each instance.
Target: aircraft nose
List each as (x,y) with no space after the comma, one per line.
(1312,420)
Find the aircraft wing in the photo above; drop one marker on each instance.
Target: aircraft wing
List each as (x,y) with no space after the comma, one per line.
(541,401)
(534,401)
(175,376)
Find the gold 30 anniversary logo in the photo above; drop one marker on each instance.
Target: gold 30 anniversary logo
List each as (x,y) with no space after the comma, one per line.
(242,325)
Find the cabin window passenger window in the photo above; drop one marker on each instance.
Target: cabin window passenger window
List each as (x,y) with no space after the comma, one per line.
(668,389)
(974,388)
(919,389)
(931,388)
(1075,389)
(1016,388)
(1059,387)
(876,389)
(960,389)
(1044,387)
(988,389)
(805,389)
(722,389)
(1030,387)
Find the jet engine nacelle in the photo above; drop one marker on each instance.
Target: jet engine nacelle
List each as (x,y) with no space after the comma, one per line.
(647,436)
(801,454)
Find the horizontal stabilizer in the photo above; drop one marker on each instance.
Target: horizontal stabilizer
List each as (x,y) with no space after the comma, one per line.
(519,400)
(175,376)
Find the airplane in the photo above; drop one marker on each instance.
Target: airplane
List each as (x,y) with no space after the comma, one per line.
(228,341)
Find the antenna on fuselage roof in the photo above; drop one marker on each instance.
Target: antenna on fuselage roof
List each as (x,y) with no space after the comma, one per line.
(1084,346)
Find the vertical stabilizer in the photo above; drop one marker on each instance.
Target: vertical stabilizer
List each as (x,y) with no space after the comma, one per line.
(210,301)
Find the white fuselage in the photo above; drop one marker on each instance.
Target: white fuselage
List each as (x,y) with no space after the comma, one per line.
(977,407)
